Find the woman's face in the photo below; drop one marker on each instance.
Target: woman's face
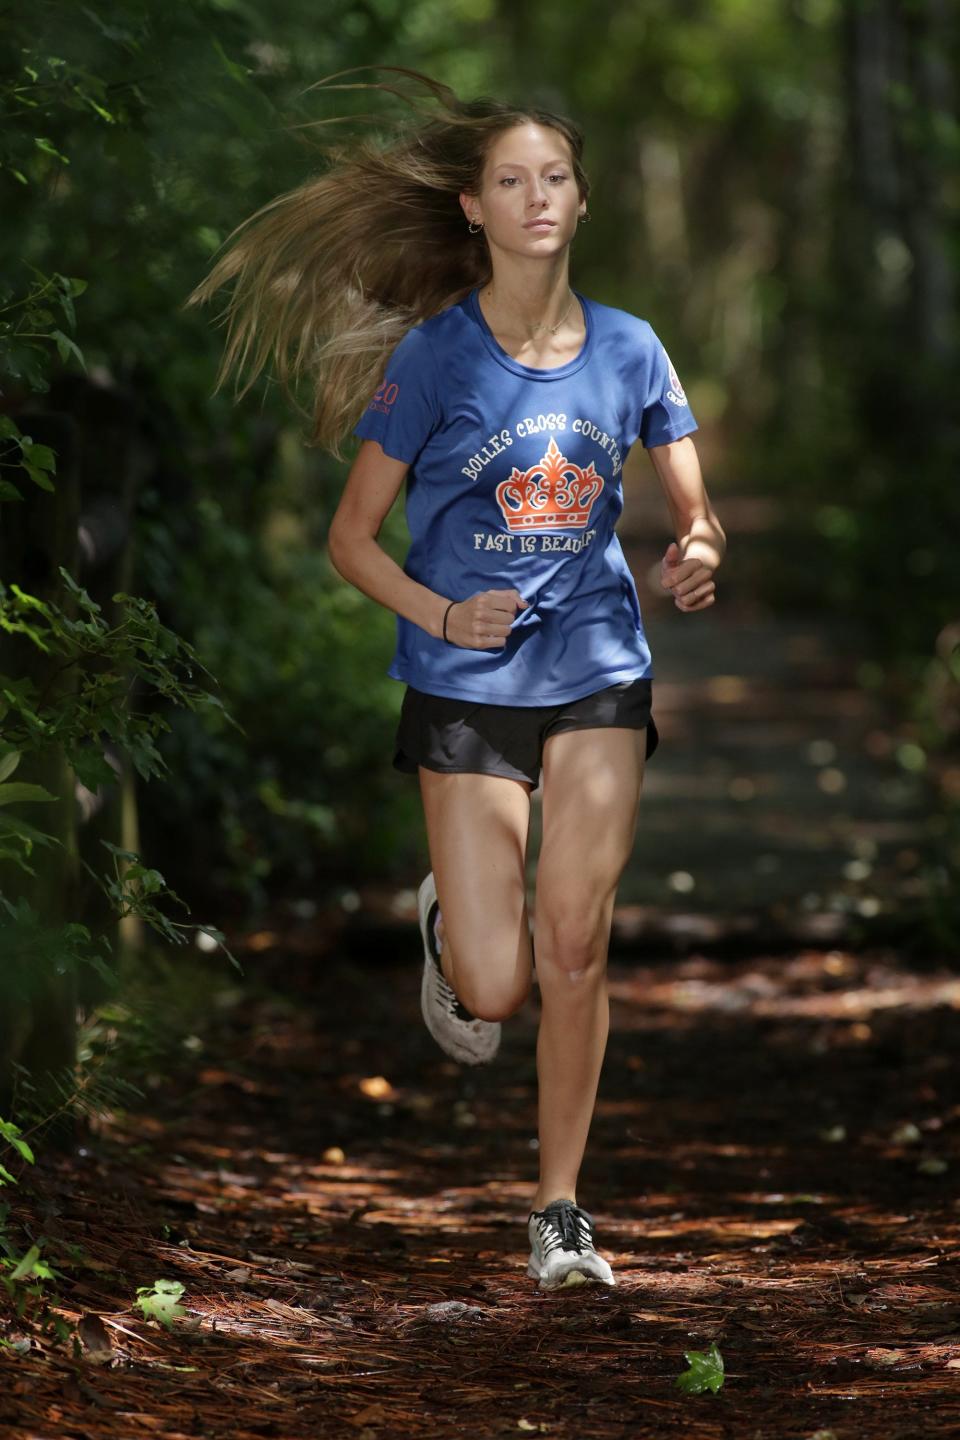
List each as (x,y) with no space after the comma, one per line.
(528,174)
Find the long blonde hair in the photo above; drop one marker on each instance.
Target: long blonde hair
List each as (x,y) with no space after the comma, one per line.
(331,275)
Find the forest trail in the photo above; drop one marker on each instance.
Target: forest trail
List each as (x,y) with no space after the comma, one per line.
(771,1169)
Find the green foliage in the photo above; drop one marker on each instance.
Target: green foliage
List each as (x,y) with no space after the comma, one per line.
(706,1371)
(12,1135)
(300,655)
(159,1301)
(22,1276)
(26,1277)
(136,888)
(304,782)
(18,837)
(27,326)
(32,946)
(35,460)
(110,660)
(115,663)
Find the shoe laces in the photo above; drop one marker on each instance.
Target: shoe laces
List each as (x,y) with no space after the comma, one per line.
(451,1000)
(565,1225)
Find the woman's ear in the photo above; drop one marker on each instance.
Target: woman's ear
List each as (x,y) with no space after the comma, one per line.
(467,205)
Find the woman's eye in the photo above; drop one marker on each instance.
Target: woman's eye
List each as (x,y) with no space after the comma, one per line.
(508,178)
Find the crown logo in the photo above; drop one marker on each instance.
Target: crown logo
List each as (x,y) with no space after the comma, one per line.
(553,494)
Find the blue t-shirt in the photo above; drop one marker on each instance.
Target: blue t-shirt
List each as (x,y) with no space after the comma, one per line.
(514,481)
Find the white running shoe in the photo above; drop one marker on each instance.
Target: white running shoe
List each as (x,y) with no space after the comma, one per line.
(463,1036)
(562,1253)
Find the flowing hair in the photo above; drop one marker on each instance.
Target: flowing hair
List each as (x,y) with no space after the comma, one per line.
(330,275)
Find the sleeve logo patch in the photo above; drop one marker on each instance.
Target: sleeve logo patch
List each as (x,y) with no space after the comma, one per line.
(676,393)
(384,396)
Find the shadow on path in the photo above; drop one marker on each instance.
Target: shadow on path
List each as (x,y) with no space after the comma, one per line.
(771,1167)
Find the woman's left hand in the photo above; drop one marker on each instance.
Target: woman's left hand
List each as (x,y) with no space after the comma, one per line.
(690,580)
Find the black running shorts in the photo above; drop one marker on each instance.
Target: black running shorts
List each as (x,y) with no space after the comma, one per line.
(450,735)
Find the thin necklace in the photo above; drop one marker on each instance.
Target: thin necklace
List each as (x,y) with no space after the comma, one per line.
(552,329)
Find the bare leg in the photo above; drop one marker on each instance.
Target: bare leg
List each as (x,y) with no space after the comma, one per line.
(477,829)
(592,781)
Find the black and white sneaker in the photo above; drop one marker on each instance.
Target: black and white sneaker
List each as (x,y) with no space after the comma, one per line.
(463,1036)
(562,1251)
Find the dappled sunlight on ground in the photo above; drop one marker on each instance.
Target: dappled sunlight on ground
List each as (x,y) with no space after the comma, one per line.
(771,1167)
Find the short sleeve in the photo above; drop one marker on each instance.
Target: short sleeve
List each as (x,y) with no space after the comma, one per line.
(666,410)
(404,410)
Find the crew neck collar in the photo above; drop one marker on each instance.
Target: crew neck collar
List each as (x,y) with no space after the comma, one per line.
(532,372)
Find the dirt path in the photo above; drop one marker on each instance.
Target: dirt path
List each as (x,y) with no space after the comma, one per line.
(772,1167)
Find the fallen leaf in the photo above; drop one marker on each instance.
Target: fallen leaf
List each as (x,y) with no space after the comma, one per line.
(880,1357)
(706,1371)
(374,1412)
(95,1337)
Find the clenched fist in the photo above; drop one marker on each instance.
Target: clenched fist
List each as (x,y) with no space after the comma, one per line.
(483,622)
(690,580)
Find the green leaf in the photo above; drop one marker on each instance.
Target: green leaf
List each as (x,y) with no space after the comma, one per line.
(237,72)
(38,477)
(9,761)
(11,1133)
(160,1301)
(18,791)
(42,143)
(27,1265)
(42,456)
(705,1373)
(67,347)
(104,114)
(91,769)
(12,827)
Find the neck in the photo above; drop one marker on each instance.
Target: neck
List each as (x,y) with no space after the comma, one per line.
(529,304)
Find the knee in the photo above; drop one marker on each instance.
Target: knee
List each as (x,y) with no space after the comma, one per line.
(571,945)
(492,984)
(491,1000)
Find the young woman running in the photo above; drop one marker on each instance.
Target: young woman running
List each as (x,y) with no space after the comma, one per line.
(508,403)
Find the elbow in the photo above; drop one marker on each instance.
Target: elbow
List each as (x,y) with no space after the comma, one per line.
(338,549)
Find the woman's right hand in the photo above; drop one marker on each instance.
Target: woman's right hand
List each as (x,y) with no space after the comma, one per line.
(483,622)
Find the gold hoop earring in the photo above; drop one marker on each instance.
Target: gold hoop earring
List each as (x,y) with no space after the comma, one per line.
(478,229)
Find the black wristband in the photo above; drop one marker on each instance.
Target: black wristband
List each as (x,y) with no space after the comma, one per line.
(445,614)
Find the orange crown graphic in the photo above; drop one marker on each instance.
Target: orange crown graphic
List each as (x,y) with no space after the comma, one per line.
(553,494)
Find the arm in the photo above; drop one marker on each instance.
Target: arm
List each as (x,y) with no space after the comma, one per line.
(372,487)
(701,540)
(480,622)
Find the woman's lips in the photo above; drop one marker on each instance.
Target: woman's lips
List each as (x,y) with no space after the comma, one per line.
(540,225)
